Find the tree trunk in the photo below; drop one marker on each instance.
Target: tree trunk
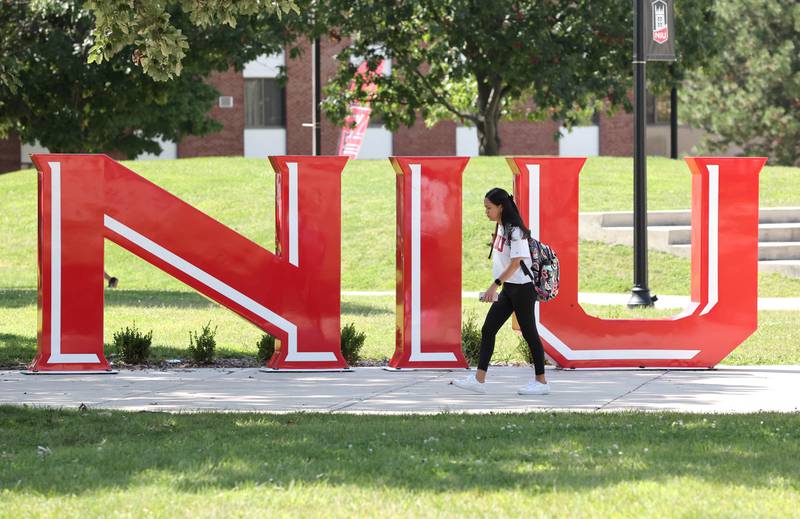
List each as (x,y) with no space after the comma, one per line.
(488,137)
(489,103)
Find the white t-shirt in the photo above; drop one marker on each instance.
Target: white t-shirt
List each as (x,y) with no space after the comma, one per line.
(505,251)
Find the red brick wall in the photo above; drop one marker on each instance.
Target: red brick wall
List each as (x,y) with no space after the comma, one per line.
(299,102)
(528,138)
(9,153)
(616,135)
(330,132)
(419,140)
(230,140)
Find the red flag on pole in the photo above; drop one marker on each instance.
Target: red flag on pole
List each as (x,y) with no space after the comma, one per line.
(356,124)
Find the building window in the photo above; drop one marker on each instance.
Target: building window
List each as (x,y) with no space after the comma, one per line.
(265,103)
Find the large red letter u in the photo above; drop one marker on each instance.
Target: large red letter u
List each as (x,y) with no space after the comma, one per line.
(723,312)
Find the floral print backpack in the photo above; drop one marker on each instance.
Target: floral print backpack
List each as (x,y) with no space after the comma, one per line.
(545,271)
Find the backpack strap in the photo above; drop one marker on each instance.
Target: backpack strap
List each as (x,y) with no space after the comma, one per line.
(509,229)
(526,270)
(494,237)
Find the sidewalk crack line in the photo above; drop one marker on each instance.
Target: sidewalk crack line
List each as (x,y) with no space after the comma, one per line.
(354,401)
(631,391)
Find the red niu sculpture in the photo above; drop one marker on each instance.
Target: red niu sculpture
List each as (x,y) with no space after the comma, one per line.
(294,294)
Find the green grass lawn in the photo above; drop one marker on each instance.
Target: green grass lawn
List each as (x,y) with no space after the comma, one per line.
(240,193)
(100,464)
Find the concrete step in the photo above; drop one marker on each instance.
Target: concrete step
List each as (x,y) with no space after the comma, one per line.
(766,250)
(683,250)
(654,218)
(682,234)
(671,232)
(785,267)
(779,232)
(779,215)
(779,250)
(769,215)
(659,238)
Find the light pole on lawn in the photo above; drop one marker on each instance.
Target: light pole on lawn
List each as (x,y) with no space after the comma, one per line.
(316,94)
(673,117)
(316,124)
(640,293)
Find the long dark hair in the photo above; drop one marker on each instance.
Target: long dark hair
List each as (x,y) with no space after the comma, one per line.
(509,216)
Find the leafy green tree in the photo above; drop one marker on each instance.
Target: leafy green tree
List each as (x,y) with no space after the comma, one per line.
(68,105)
(749,95)
(466,60)
(477,62)
(9,61)
(161,42)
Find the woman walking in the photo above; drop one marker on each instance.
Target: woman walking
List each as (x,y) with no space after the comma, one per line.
(517,295)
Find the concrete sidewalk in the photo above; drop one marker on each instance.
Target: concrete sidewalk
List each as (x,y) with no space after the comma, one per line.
(374,390)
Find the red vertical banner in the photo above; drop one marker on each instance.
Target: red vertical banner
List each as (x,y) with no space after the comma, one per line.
(428,290)
(70,299)
(723,309)
(357,123)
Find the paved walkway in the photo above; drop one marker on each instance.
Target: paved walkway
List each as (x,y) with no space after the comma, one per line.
(764,303)
(375,390)
(596,298)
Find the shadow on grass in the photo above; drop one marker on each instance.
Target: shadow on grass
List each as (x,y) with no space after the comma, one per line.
(364,309)
(535,453)
(18,298)
(156,298)
(16,350)
(22,297)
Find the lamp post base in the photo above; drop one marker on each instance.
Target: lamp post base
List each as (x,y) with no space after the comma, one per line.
(640,297)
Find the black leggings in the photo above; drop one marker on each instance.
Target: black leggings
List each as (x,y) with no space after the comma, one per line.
(521,300)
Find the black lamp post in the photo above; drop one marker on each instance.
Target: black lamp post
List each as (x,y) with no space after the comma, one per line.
(316,138)
(640,293)
(673,117)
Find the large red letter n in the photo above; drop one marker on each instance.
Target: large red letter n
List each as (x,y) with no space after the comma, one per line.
(293,295)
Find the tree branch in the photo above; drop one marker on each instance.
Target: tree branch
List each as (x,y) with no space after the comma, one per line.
(432,90)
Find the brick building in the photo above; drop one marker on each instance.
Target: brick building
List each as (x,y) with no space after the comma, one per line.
(262,118)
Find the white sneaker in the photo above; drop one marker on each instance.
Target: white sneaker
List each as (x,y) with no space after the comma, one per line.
(470,384)
(534,387)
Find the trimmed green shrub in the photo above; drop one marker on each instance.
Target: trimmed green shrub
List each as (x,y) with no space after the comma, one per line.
(471,339)
(133,346)
(266,347)
(352,341)
(201,347)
